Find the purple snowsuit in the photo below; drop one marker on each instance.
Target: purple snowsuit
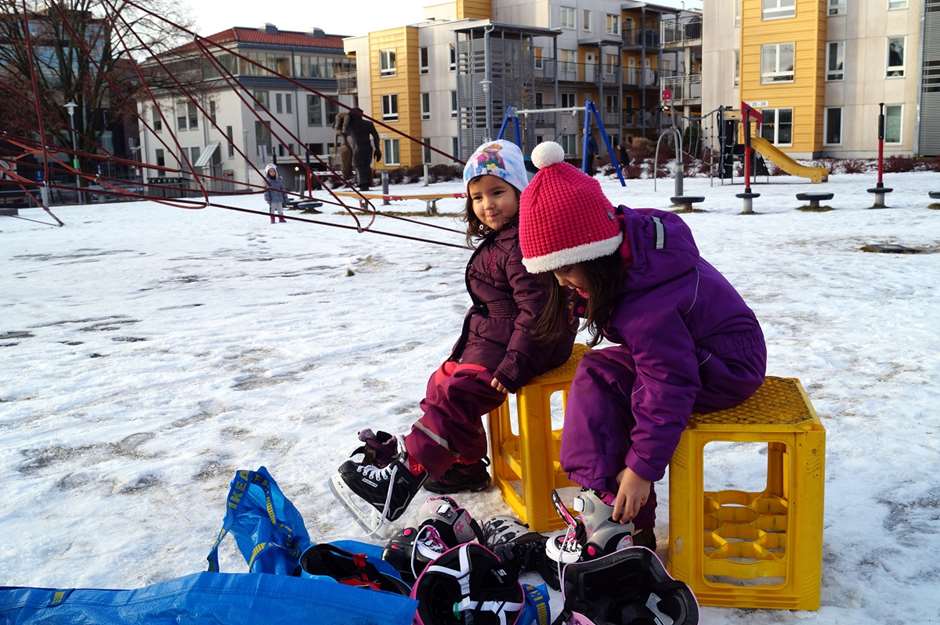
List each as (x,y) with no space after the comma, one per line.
(687,343)
(496,341)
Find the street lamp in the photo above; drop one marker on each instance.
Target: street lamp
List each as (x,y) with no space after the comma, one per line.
(70,106)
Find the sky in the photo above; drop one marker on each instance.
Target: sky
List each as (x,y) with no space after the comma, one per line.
(212,16)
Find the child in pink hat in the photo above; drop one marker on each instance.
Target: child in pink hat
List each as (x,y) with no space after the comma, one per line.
(495,354)
(684,338)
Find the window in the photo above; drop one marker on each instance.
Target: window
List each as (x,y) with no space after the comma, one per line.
(157,121)
(586,20)
(453,104)
(610,64)
(453,58)
(613,24)
(566,17)
(893,116)
(278,103)
(737,67)
(181,121)
(776,62)
(193,155)
(288,103)
(314,111)
(835,60)
(425,61)
(316,148)
(895,57)
(262,99)
(425,106)
(537,53)
(567,100)
(391,152)
(231,141)
(777,126)
(837,7)
(193,115)
(897,4)
(332,110)
(567,65)
(778,9)
(160,158)
(570,144)
(386,62)
(455,146)
(281,151)
(212,110)
(263,138)
(390,106)
(833,126)
(610,103)
(426,151)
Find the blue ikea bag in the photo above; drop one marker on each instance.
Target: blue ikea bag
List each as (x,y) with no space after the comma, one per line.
(209,598)
(268,529)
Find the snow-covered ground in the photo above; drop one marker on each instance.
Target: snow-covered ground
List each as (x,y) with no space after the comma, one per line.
(146,352)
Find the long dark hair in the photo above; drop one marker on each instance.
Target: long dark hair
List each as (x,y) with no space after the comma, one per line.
(476,229)
(604,276)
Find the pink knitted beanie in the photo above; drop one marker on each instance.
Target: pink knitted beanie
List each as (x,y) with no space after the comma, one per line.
(564,217)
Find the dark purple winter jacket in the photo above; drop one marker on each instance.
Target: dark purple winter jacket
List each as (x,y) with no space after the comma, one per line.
(696,345)
(507,300)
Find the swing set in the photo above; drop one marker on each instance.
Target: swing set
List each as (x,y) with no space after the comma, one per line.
(590,112)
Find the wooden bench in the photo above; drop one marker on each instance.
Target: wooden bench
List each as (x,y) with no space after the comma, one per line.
(814,199)
(430,199)
(686,202)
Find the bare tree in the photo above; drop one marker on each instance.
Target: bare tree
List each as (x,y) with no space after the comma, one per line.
(82,51)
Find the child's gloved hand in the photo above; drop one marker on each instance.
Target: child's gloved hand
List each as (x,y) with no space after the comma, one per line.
(631,495)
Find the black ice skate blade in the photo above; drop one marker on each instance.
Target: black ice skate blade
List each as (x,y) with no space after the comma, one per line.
(366,517)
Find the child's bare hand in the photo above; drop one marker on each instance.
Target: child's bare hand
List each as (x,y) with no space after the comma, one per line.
(631,495)
(499,387)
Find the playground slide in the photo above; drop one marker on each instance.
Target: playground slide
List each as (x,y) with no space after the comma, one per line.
(787,164)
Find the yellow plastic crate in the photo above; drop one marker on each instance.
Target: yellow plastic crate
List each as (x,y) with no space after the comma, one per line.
(752,549)
(525,465)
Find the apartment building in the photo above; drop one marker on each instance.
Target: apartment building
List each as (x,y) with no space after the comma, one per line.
(449,79)
(818,70)
(236,122)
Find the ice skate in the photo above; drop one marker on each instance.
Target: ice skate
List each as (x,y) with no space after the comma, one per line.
(376,495)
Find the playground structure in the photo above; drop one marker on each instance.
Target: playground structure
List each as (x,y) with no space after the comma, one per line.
(879,190)
(590,112)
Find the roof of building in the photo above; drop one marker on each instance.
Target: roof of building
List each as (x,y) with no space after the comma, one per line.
(270,35)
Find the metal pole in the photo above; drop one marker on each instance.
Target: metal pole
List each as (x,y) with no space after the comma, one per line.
(75,163)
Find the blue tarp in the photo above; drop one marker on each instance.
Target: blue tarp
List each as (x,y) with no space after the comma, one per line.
(210,598)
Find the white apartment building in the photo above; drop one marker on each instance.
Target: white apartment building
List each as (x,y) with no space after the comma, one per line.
(296,128)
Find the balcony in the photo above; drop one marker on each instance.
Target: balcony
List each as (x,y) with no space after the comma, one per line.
(682,32)
(595,74)
(346,81)
(640,38)
(686,90)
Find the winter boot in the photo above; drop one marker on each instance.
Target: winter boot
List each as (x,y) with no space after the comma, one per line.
(282,220)
(272,219)
(459,478)
(376,495)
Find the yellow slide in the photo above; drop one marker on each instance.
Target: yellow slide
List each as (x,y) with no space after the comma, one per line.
(787,164)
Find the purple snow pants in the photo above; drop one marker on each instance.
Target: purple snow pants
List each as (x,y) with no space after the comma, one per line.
(599,418)
(451,429)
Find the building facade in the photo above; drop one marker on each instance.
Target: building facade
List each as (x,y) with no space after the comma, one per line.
(818,70)
(232,122)
(449,80)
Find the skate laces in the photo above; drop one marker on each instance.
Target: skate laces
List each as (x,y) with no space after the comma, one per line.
(376,473)
(429,544)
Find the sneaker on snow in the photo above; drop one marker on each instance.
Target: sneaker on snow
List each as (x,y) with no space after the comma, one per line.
(386,491)
(459,478)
